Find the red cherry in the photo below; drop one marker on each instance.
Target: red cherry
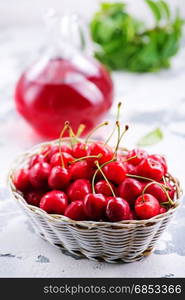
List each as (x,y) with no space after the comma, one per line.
(117,209)
(66,149)
(140,155)
(59,178)
(79,189)
(34,197)
(100,148)
(46,149)
(80,169)
(115,172)
(158,192)
(147,206)
(162,210)
(56,159)
(95,205)
(132,215)
(161,160)
(38,174)
(53,150)
(150,168)
(80,150)
(21,180)
(171,192)
(37,158)
(130,189)
(75,211)
(131,169)
(54,202)
(102,187)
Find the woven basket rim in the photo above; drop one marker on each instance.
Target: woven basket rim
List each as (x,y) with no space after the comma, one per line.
(61,218)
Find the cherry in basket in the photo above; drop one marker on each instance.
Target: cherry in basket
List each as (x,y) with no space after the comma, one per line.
(92,181)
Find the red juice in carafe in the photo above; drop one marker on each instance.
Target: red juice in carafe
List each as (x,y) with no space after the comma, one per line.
(55,90)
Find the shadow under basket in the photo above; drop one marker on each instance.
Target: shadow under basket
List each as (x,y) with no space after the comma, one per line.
(125,241)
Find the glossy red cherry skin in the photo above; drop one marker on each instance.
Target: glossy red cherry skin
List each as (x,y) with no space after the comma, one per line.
(161,159)
(66,149)
(150,168)
(56,159)
(99,148)
(21,180)
(38,174)
(117,209)
(46,149)
(54,202)
(80,169)
(130,189)
(162,210)
(80,150)
(140,155)
(55,149)
(79,189)
(147,206)
(34,197)
(133,215)
(95,205)
(131,169)
(37,158)
(75,211)
(159,193)
(102,187)
(59,178)
(115,172)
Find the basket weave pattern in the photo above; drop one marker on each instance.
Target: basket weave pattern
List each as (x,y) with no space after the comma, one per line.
(125,241)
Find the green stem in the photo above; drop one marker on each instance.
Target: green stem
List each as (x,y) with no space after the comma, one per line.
(96,128)
(132,157)
(95,173)
(80,130)
(115,127)
(99,168)
(119,137)
(88,156)
(60,143)
(146,178)
(73,137)
(162,187)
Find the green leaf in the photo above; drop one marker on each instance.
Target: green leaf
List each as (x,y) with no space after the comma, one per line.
(165,7)
(155,9)
(125,43)
(151,138)
(112,8)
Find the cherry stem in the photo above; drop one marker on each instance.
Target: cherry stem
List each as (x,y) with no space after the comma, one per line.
(95,173)
(80,130)
(60,142)
(119,137)
(96,128)
(132,157)
(115,127)
(45,155)
(88,156)
(73,137)
(162,187)
(101,171)
(146,178)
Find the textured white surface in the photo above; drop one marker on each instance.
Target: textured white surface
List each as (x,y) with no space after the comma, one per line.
(150,100)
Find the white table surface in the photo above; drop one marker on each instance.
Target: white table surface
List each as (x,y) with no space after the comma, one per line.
(150,100)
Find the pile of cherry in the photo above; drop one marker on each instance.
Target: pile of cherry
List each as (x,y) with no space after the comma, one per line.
(90,181)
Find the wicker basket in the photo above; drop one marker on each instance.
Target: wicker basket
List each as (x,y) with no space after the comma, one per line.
(124,241)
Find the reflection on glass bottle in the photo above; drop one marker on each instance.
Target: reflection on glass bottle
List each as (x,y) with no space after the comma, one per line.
(67,83)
